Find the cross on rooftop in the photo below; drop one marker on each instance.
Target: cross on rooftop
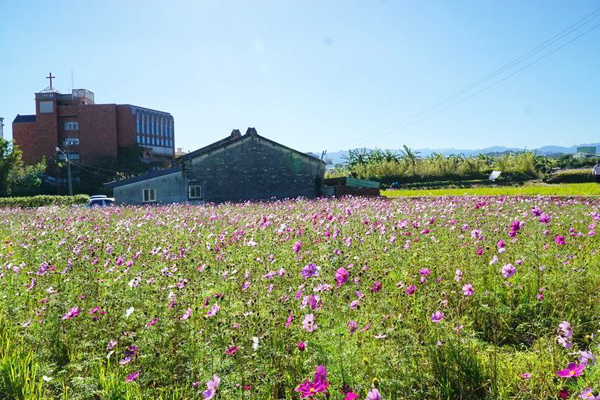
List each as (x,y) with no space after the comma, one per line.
(50,77)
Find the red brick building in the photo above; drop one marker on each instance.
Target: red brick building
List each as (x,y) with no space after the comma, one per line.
(91,132)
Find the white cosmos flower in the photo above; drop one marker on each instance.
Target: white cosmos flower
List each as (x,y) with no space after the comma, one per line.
(129,311)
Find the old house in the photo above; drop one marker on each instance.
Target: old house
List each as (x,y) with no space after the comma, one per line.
(236,168)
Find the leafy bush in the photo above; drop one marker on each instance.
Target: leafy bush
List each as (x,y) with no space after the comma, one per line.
(571,176)
(40,201)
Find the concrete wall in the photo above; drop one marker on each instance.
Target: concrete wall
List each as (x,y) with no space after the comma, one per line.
(171,188)
(254,169)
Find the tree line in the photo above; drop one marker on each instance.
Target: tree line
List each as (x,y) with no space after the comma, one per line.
(407,165)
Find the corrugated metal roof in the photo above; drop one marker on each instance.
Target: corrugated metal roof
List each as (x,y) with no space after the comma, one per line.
(139,178)
(23,119)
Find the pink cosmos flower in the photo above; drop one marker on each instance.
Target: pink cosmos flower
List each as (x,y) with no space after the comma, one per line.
(232,350)
(211,386)
(290,319)
(508,270)
(111,344)
(566,329)
(354,304)
(154,321)
(351,396)
(468,290)
(411,289)
(587,358)
(301,346)
(572,371)
(588,394)
(526,375)
(308,324)
(133,376)
(72,313)
(296,247)
(559,240)
(376,287)
(458,275)
(544,218)
(186,315)
(437,316)
(213,311)
(341,276)
(373,395)
(352,326)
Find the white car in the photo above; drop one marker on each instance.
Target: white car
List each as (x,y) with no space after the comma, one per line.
(101,201)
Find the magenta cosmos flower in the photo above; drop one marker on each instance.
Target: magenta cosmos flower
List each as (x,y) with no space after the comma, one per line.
(341,276)
(318,385)
(572,371)
(560,240)
(133,376)
(296,247)
(437,316)
(72,313)
(508,270)
(309,271)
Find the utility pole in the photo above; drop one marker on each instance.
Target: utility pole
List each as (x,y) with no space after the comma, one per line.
(68,168)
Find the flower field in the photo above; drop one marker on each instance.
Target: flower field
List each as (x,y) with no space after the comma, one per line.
(429,298)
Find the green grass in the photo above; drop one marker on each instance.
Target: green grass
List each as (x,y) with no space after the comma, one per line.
(573,189)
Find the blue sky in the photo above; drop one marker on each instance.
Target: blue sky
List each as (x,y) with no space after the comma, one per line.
(314,75)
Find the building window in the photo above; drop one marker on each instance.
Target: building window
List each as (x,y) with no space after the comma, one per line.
(71,126)
(149,195)
(71,141)
(46,107)
(137,122)
(195,192)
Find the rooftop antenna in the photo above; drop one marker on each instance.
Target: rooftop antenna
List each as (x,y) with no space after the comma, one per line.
(72,80)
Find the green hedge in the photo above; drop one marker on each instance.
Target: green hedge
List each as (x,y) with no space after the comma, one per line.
(44,200)
(571,176)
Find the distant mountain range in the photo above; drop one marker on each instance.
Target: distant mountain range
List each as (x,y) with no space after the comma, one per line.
(338,156)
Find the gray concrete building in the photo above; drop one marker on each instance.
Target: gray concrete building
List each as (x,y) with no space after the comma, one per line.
(236,168)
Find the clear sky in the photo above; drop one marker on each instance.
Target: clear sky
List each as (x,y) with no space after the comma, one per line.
(315,74)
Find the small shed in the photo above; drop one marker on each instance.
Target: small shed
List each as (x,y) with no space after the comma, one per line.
(349,186)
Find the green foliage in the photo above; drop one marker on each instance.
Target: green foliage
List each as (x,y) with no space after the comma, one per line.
(43,200)
(407,167)
(574,189)
(20,378)
(571,176)
(14,173)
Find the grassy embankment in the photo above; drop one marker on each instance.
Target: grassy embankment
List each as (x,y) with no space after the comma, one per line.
(573,189)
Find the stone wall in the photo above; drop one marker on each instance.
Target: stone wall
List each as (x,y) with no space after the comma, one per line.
(254,169)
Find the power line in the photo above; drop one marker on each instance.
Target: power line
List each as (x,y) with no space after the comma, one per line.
(487,87)
(557,37)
